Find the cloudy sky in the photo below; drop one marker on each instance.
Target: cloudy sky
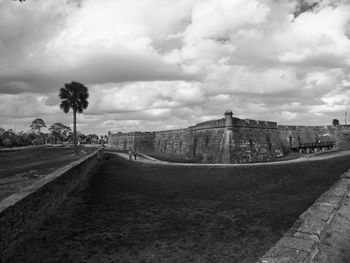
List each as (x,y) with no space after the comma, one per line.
(164,64)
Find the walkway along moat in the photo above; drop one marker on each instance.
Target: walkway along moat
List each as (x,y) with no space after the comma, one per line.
(133,212)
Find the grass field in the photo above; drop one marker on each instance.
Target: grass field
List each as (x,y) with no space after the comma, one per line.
(134,212)
(22,167)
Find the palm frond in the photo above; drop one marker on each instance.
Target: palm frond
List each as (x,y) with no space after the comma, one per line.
(74,95)
(65,106)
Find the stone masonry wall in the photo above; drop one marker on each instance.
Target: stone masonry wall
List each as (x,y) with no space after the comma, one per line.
(206,145)
(172,142)
(311,134)
(24,212)
(122,141)
(342,136)
(139,141)
(144,141)
(232,140)
(226,140)
(242,141)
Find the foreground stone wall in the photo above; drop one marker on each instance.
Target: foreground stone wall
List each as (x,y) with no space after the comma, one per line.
(24,212)
(301,242)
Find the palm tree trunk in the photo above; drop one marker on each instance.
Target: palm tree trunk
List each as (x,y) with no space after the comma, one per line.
(75,132)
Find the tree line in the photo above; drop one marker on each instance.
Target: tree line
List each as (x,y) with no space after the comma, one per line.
(58,134)
(73,96)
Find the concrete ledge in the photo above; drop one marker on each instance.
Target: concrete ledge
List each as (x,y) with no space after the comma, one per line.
(24,212)
(300,243)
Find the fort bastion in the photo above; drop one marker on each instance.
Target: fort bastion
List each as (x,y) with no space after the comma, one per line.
(234,140)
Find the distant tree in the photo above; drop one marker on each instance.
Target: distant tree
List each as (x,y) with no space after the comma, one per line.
(32,137)
(74,96)
(335,122)
(59,131)
(69,137)
(82,137)
(92,138)
(20,139)
(8,138)
(37,124)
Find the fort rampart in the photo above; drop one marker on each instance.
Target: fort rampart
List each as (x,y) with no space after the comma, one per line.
(232,140)
(23,212)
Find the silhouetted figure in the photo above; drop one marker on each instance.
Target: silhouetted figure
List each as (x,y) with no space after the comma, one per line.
(135,155)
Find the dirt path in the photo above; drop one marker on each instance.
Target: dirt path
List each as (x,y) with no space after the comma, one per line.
(143,158)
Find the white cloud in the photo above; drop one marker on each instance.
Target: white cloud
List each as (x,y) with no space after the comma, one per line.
(156,64)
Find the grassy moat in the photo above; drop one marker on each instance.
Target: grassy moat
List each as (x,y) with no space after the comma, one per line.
(134,212)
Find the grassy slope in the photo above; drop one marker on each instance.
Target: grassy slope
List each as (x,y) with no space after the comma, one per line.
(143,213)
(21,168)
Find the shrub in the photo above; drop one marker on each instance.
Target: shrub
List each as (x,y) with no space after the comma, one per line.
(7,142)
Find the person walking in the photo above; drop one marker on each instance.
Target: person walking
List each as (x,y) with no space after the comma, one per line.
(135,155)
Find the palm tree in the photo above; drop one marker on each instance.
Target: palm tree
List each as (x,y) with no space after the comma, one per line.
(74,96)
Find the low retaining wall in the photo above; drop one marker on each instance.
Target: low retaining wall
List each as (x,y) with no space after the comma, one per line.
(301,242)
(24,212)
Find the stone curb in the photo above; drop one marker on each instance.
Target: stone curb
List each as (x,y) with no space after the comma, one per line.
(300,243)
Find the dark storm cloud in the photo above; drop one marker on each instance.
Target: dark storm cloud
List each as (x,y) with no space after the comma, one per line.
(95,70)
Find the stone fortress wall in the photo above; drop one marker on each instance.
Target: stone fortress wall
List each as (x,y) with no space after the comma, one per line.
(297,135)
(231,140)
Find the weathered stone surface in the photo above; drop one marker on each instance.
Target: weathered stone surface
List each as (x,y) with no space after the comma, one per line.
(318,211)
(345,175)
(330,200)
(284,255)
(307,236)
(296,243)
(313,225)
(339,188)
